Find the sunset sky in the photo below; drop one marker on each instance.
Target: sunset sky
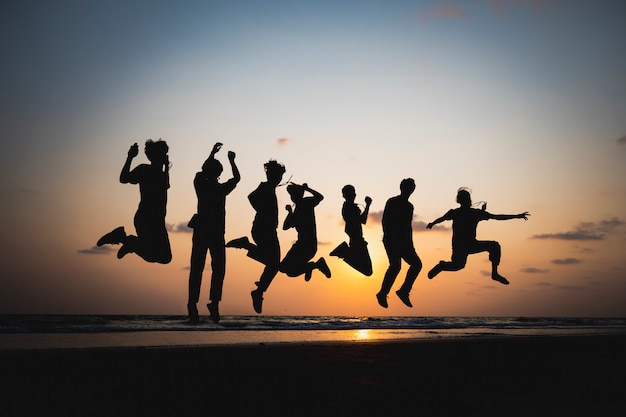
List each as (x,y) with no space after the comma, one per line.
(522,101)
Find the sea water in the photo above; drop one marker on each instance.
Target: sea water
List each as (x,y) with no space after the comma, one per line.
(103,331)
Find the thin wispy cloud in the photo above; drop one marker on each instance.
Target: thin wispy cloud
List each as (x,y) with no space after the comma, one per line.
(585,250)
(571,235)
(533,270)
(566,261)
(178,228)
(376,217)
(571,287)
(97,250)
(586,231)
(447,10)
(420,226)
(562,287)
(282,142)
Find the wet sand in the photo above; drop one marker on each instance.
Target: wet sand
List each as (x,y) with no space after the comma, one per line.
(513,376)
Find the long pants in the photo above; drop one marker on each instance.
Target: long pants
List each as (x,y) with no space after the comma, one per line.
(461,252)
(266,251)
(396,253)
(203,242)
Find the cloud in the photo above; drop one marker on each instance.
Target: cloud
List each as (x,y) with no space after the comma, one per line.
(571,287)
(446,10)
(607,226)
(622,141)
(561,287)
(97,250)
(418,225)
(566,261)
(179,228)
(571,235)
(585,231)
(533,270)
(282,142)
(586,250)
(376,216)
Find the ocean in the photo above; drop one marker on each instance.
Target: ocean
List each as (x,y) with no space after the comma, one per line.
(105,331)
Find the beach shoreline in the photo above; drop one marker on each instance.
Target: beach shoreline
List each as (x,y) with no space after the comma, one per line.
(182,339)
(574,375)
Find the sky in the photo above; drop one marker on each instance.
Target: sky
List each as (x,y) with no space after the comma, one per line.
(524,102)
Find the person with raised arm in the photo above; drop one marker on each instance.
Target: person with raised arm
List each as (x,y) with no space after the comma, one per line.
(152,242)
(297,261)
(355,252)
(208,226)
(464,223)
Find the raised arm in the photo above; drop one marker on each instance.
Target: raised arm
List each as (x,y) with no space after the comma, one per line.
(288,223)
(125,174)
(233,167)
(368,202)
(316,195)
(523,215)
(216,149)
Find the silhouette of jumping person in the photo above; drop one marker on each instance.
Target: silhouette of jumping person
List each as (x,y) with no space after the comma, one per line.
(208,231)
(152,242)
(266,248)
(398,242)
(464,223)
(355,252)
(297,260)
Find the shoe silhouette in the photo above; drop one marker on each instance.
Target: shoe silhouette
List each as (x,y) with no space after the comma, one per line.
(116,236)
(257,300)
(382,300)
(404,297)
(214,311)
(192,311)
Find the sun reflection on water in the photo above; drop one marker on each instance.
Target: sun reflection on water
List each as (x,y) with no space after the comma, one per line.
(363,334)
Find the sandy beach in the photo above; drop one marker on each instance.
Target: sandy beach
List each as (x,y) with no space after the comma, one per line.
(512,376)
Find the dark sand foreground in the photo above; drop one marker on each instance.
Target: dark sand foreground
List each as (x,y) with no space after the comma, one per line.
(565,375)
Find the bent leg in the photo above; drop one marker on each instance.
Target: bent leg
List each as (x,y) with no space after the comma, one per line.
(269,246)
(495,253)
(458,261)
(358,257)
(152,242)
(415,266)
(293,264)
